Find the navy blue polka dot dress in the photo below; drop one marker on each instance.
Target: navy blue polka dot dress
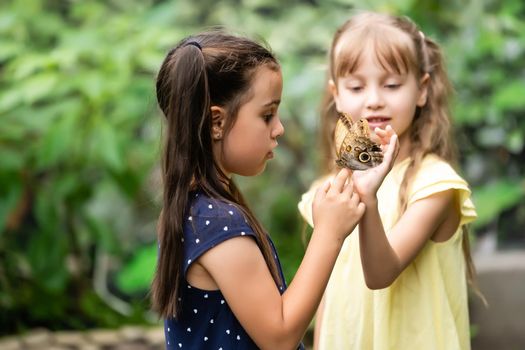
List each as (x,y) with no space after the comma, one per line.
(206,321)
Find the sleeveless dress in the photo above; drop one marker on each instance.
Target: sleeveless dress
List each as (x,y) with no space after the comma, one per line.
(206,321)
(426,307)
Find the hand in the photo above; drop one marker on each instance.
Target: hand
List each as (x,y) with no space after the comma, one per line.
(367,182)
(336,207)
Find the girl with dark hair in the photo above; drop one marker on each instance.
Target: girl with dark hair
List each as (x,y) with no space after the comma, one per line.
(218,282)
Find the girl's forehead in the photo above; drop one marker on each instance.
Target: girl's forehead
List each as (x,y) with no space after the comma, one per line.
(392,49)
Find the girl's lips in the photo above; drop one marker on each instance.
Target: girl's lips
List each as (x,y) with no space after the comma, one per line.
(378,122)
(270,155)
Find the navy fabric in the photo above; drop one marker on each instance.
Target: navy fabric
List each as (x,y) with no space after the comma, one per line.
(206,321)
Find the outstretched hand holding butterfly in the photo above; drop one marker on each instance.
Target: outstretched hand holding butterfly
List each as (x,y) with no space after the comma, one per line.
(369,161)
(367,182)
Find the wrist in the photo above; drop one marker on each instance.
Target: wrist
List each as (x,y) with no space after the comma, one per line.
(326,235)
(370,201)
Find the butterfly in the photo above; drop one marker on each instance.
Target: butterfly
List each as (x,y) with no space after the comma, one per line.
(354,148)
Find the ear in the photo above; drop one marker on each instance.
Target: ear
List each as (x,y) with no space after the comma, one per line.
(218,119)
(423,90)
(332,88)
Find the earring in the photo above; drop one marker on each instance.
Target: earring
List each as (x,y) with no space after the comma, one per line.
(217,132)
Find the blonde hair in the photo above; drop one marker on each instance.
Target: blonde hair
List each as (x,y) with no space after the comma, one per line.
(400,47)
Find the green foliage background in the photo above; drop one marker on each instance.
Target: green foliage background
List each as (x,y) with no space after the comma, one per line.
(80,136)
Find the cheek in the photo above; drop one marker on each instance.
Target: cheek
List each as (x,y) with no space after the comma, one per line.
(242,156)
(341,98)
(350,104)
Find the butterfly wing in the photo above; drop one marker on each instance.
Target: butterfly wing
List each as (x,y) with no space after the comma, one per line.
(341,132)
(354,148)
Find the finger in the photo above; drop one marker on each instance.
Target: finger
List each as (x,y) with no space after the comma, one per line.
(387,133)
(339,180)
(325,186)
(355,199)
(394,143)
(391,151)
(384,136)
(381,133)
(361,209)
(320,193)
(349,187)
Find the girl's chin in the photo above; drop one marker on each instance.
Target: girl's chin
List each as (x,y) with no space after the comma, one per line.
(252,172)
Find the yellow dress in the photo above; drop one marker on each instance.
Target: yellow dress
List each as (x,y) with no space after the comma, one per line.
(426,307)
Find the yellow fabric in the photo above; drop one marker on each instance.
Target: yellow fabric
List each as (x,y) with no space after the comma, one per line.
(426,307)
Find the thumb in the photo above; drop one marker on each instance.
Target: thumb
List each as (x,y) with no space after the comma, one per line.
(392,151)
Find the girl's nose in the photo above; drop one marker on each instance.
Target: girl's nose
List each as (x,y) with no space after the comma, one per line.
(373,98)
(278,129)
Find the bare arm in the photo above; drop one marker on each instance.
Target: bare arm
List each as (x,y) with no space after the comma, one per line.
(318,322)
(385,257)
(272,320)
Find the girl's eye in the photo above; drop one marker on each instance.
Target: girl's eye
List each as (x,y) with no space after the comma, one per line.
(267,118)
(355,88)
(392,86)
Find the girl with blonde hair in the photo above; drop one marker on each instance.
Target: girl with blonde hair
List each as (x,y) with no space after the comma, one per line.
(400,281)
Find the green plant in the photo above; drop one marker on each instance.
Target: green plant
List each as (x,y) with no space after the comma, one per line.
(79,138)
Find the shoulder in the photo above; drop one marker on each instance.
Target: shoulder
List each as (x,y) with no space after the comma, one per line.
(435,167)
(207,215)
(202,205)
(436,175)
(209,222)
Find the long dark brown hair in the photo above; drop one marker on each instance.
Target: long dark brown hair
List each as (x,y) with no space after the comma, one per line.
(401,47)
(213,68)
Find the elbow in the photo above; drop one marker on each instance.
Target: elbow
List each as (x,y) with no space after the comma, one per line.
(284,345)
(288,340)
(382,278)
(376,286)
(377,283)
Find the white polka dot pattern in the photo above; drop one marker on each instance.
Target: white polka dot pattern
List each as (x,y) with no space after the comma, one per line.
(205,320)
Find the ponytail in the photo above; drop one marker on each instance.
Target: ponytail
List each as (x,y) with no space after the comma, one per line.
(186,109)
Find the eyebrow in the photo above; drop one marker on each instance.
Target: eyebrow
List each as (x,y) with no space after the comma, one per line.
(273,102)
(386,74)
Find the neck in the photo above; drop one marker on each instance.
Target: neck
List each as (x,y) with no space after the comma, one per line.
(404,148)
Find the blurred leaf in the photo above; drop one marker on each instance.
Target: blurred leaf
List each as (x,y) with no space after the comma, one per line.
(511,96)
(81,123)
(10,162)
(491,136)
(106,146)
(515,141)
(11,198)
(137,274)
(493,198)
(46,255)
(57,144)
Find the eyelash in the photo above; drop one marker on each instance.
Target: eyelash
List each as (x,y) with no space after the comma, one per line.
(267,118)
(388,86)
(392,86)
